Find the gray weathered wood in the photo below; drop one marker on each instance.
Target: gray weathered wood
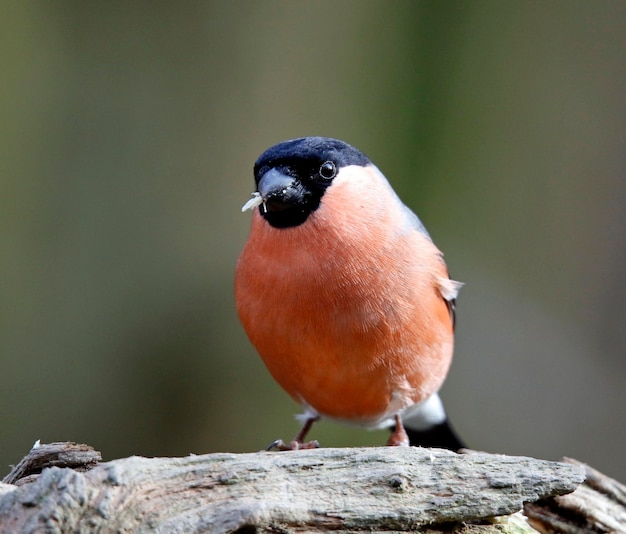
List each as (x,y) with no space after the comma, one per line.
(599,505)
(377,489)
(60,454)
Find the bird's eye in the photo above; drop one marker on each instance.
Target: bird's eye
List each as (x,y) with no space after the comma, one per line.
(328,170)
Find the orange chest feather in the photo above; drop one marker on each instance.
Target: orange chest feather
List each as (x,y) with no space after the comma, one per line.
(346,317)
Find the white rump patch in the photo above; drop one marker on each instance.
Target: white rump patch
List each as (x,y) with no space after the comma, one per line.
(425,415)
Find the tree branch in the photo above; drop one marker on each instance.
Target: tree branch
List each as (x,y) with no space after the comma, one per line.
(375,489)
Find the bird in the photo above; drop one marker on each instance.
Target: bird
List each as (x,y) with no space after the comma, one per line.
(345,296)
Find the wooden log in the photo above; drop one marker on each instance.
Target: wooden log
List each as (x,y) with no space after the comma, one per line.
(599,505)
(322,490)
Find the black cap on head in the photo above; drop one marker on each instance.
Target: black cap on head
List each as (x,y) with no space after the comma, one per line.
(292,176)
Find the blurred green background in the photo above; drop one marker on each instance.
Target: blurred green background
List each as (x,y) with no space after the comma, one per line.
(128,131)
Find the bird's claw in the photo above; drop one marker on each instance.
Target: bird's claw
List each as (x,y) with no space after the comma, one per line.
(293,445)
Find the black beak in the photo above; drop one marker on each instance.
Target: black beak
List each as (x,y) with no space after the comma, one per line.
(279,191)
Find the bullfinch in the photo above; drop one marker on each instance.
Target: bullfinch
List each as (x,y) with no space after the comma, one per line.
(344,295)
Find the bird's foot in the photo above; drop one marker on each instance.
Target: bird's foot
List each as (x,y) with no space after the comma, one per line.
(293,445)
(298,442)
(399,437)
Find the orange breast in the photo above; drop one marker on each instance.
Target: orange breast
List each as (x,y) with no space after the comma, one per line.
(344,309)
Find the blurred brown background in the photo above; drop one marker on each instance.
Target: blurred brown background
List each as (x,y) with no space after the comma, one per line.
(128,131)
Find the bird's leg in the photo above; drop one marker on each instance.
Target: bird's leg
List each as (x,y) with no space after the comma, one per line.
(298,442)
(399,436)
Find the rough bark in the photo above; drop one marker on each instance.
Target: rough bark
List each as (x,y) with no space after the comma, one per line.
(321,490)
(599,505)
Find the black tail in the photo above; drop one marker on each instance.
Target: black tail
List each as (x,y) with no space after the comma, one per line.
(441,436)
